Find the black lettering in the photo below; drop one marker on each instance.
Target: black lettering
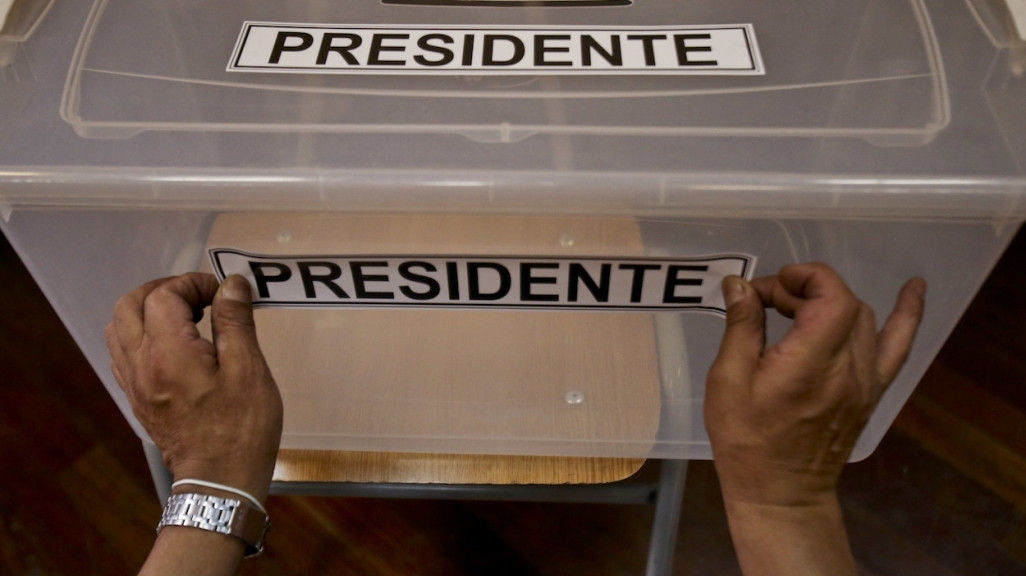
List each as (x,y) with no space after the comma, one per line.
(262,280)
(598,291)
(489,50)
(638,281)
(615,57)
(423,44)
(433,289)
(474,280)
(328,46)
(540,49)
(681,41)
(453,278)
(468,49)
(648,40)
(280,44)
(673,280)
(309,278)
(526,280)
(359,278)
(376,48)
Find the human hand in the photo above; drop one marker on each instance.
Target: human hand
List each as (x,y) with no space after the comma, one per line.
(212,408)
(783,420)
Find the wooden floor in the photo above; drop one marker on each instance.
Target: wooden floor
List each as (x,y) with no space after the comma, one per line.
(945,494)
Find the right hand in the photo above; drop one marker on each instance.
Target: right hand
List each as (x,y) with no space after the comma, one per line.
(212,408)
(783,420)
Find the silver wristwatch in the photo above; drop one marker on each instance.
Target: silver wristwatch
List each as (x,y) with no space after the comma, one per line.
(222,515)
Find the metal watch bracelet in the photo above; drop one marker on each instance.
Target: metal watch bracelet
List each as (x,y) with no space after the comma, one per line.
(222,515)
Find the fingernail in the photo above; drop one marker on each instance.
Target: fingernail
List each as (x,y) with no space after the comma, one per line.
(236,288)
(734,290)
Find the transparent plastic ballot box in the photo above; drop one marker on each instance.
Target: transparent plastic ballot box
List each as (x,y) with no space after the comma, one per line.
(497,228)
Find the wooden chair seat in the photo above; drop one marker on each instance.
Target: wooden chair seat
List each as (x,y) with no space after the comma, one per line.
(410,468)
(375,379)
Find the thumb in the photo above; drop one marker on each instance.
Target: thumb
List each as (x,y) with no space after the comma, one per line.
(231,319)
(745,336)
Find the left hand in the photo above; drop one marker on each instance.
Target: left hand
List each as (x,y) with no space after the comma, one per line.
(212,408)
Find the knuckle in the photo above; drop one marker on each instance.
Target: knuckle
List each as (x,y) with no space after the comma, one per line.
(152,301)
(849,307)
(122,303)
(814,268)
(163,291)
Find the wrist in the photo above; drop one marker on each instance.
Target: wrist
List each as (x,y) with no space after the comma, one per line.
(794,539)
(182,550)
(776,483)
(196,486)
(256,485)
(780,495)
(242,518)
(187,536)
(812,508)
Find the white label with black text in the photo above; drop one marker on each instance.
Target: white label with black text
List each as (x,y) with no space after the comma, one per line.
(584,283)
(533,50)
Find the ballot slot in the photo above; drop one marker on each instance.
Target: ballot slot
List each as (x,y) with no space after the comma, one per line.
(560,71)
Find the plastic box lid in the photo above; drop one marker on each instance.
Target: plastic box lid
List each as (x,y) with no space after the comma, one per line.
(828,61)
(850,108)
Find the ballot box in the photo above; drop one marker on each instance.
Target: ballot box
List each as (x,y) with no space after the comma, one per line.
(492,227)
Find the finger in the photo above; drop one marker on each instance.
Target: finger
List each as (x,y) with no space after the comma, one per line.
(827,311)
(775,295)
(895,339)
(745,336)
(120,379)
(117,354)
(231,319)
(110,334)
(862,344)
(128,315)
(171,308)
(864,332)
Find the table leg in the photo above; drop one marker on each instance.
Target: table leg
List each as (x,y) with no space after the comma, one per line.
(672,474)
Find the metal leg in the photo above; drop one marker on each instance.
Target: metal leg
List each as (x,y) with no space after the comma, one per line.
(672,474)
(623,493)
(161,475)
